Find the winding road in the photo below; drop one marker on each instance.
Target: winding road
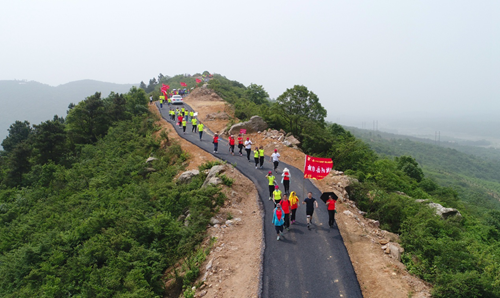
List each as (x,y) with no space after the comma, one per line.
(307,263)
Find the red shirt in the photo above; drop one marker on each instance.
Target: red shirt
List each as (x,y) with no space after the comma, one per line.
(287,176)
(240,140)
(331,205)
(179,118)
(216,139)
(231,141)
(285,205)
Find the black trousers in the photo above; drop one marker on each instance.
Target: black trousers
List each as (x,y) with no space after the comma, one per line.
(271,189)
(294,211)
(256,161)
(240,146)
(276,163)
(248,153)
(287,220)
(261,161)
(279,229)
(286,184)
(331,217)
(193,128)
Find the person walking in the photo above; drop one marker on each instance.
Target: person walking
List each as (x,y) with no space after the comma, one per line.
(286,180)
(310,203)
(276,194)
(169,100)
(275,159)
(161,102)
(216,142)
(294,204)
(194,123)
(184,124)
(151,100)
(170,114)
(285,206)
(261,156)
(256,156)
(248,148)
(240,143)
(330,203)
(179,120)
(183,111)
(271,179)
(191,114)
(278,221)
(200,129)
(231,144)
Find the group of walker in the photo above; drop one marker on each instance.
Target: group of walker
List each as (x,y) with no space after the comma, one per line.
(286,207)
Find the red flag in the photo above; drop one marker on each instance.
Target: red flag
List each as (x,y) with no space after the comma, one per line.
(198,81)
(317,167)
(183,84)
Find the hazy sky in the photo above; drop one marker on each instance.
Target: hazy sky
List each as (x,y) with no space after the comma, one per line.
(359,57)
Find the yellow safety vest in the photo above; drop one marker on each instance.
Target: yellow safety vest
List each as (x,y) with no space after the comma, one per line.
(261,152)
(162,97)
(277,195)
(183,110)
(191,113)
(183,122)
(256,153)
(200,127)
(271,179)
(193,121)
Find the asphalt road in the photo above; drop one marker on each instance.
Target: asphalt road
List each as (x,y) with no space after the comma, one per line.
(307,263)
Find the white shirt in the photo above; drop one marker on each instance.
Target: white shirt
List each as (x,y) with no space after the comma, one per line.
(248,144)
(275,156)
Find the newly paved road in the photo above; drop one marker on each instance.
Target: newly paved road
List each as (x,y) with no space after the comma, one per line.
(307,263)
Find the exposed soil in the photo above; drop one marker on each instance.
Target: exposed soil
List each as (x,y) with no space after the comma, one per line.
(379,273)
(229,274)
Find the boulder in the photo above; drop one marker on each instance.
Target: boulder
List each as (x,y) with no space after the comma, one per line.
(395,250)
(187,176)
(443,211)
(291,140)
(255,124)
(212,181)
(214,221)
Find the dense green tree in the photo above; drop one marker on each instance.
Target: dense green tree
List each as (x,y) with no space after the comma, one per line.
(410,166)
(19,163)
(116,107)
(136,101)
(143,86)
(257,94)
(297,105)
(18,132)
(87,121)
(49,140)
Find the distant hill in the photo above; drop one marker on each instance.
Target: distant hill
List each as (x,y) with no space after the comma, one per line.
(37,102)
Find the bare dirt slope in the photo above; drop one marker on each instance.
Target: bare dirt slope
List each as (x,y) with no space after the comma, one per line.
(229,274)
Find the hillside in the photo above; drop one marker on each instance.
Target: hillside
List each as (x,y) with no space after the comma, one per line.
(474,178)
(37,102)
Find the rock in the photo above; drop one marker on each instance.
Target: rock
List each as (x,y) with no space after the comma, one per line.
(149,170)
(212,181)
(384,247)
(237,219)
(374,223)
(348,213)
(212,178)
(229,222)
(422,200)
(209,265)
(181,217)
(217,226)
(395,250)
(362,212)
(214,221)
(383,241)
(202,293)
(387,251)
(292,140)
(255,124)
(187,176)
(443,211)
(151,159)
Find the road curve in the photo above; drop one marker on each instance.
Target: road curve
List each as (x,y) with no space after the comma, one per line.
(307,263)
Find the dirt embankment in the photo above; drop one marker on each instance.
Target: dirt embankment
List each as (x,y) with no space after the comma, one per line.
(379,271)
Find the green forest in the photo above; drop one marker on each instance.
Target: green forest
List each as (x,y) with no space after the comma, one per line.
(82,213)
(460,257)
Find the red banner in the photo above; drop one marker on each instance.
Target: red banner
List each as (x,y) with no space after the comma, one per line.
(243,131)
(183,84)
(164,88)
(198,81)
(317,167)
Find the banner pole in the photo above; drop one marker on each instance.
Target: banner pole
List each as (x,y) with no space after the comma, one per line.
(304,179)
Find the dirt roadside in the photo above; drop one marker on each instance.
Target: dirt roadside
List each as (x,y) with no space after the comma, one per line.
(226,273)
(379,273)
